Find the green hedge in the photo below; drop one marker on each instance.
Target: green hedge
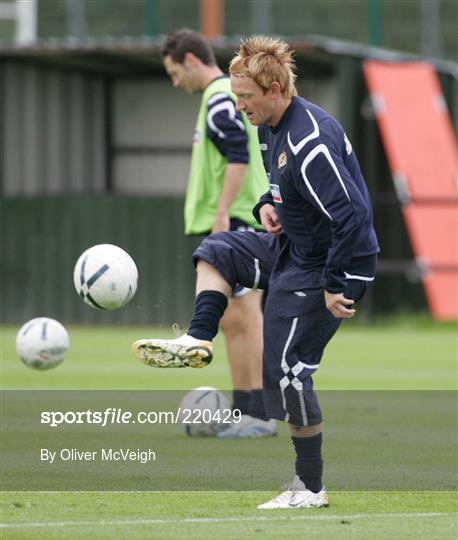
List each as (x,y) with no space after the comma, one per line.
(43,237)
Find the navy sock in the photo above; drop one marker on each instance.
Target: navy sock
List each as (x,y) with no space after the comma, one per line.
(240,400)
(309,464)
(256,407)
(208,310)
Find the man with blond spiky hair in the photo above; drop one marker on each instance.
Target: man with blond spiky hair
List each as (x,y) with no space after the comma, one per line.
(317,257)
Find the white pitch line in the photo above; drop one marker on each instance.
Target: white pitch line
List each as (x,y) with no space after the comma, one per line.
(220,520)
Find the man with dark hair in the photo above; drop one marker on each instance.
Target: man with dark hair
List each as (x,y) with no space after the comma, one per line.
(226,179)
(183,41)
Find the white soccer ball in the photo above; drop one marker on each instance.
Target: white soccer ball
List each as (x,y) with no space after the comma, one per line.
(105,277)
(204,412)
(42,343)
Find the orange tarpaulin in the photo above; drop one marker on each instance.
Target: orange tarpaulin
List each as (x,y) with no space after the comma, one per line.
(415,125)
(420,144)
(442,293)
(433,230)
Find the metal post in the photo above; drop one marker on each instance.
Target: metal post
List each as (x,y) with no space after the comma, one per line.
(261,16)
(26,22)
(374,22)
(108,133)
(430,35)
(76,19)
(151,18)
(212,17)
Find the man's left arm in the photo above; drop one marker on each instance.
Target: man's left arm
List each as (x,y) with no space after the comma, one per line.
(226,130)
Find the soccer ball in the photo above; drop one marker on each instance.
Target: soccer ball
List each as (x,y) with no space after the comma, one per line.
(204,412)
(105,277)
(42,343)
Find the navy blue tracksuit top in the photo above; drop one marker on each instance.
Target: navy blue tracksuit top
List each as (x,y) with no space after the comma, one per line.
(319,193)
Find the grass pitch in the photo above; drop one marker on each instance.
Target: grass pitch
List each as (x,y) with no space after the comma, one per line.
(226,515)
(401,355)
